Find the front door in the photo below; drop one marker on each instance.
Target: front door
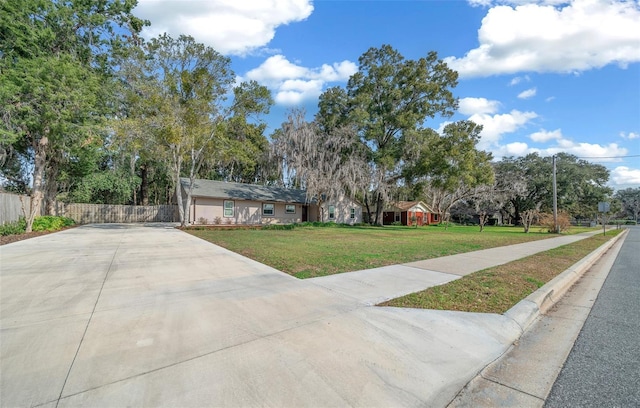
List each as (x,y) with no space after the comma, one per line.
(304,213)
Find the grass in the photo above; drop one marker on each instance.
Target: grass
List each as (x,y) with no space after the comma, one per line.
(497,289)
(307,252)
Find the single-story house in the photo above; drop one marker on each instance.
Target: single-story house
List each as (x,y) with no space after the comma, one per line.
(219,202)
(405,211)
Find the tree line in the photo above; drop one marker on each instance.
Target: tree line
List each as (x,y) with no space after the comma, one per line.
(93,113)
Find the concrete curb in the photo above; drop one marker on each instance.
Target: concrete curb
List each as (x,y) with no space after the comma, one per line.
(525,312)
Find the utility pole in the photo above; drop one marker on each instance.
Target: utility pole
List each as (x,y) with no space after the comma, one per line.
(555,198)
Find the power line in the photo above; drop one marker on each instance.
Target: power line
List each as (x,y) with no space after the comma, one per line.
(607,157)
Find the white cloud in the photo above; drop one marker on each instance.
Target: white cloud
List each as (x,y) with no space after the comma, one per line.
(552,36)
(229,26)
(517,149)
(293,83)
(295,91)
(276,69)
(517,80)
(630,135)
(487,3)
(544,136)
(623,175)
(589,151)
(494,126)
(529,93)
(470,106)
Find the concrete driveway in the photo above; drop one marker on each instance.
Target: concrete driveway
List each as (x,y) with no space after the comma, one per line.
(133,315)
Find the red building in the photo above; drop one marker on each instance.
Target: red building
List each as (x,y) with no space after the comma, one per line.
(408,213)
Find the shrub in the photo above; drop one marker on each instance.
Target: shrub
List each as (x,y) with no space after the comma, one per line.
(546,221)
(203,221)
(325,224)
(228,221)
(217,220)
(279,227)
(51,223)
(621,222)
(14,228)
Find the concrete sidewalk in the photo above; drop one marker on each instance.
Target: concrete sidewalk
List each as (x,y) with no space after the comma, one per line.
(135,315)
(373,286)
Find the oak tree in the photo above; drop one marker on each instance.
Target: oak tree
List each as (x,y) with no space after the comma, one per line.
(55,79)
(388,97)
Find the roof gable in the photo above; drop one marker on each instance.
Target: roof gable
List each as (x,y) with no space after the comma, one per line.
(240,191)
(402,206)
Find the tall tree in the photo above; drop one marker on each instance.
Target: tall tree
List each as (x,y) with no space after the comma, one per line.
(327,165)
(134,127)
(246,146)
(55,76)
(528,181)
(195,80)
(448,166)
(388,97)
(629,199)
(580,184)
(175,94)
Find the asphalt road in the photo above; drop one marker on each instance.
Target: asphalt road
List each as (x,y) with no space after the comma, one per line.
(603,368)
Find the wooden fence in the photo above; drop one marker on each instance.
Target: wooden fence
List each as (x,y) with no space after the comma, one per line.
(11,207)
(11,210)
(104,213)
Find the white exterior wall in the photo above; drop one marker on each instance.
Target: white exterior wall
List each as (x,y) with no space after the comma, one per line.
(343,211)
(204,210)
(245,212)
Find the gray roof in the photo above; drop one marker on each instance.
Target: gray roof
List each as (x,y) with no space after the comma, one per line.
(240,191)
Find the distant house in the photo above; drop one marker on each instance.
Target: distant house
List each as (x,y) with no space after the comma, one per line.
(219,202)
(408,212)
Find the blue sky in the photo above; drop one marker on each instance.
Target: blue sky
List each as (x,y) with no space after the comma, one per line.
(543,76)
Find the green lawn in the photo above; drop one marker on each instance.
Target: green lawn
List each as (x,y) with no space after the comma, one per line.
(307,252)
(497,289)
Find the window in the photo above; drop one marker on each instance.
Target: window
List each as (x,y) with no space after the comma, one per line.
(397,217)
(268,210)
(332,212)
(228,208)
(353,214)
(290,209)
(435,217)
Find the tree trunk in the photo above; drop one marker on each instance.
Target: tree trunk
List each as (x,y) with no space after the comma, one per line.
(379,209)
(482,218)
(177,166)
(181,209)
(50,186)
(38,176)
(445,219)
(144,184)
(516,214)
(366,204)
